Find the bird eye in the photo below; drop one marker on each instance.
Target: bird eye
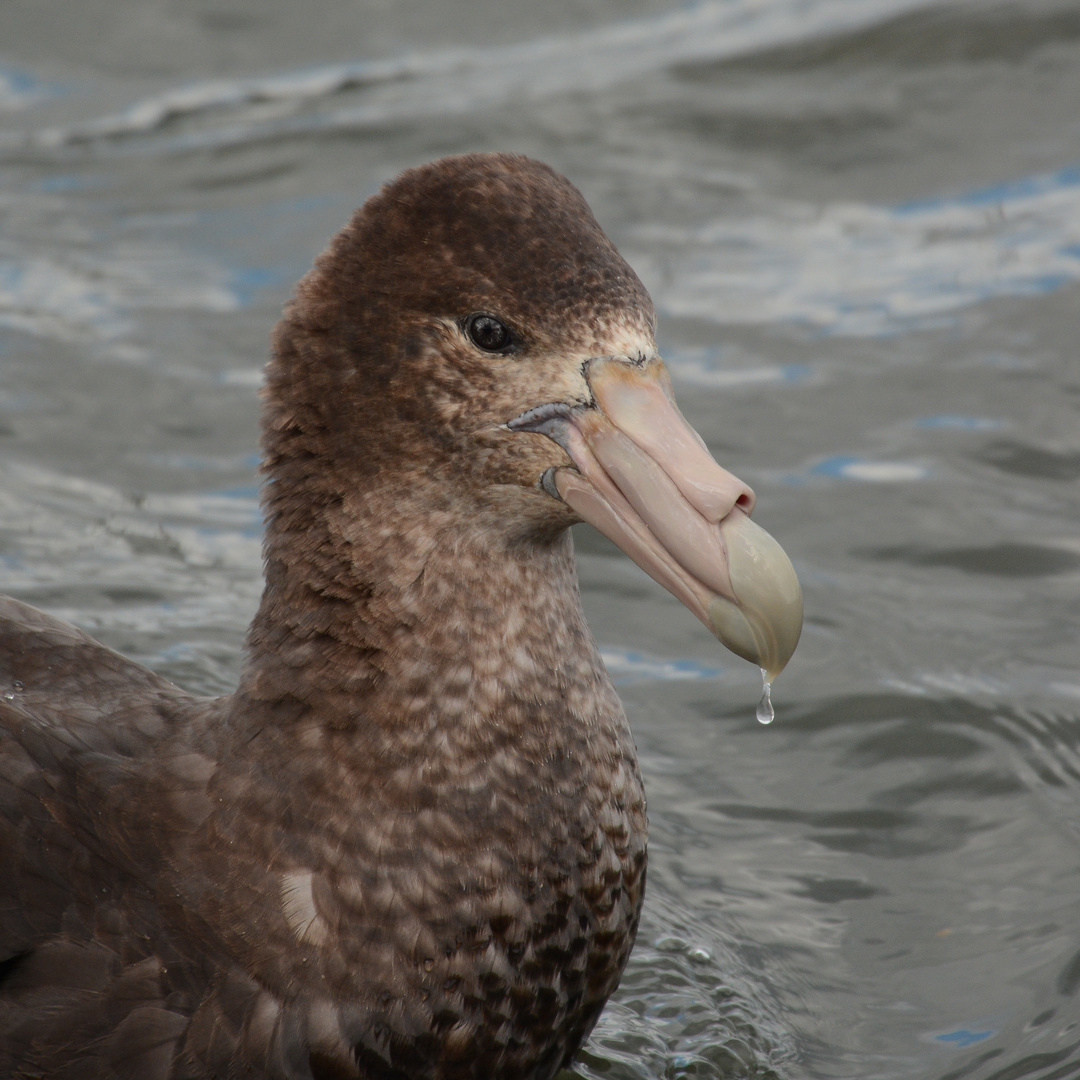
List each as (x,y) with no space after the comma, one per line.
(488,333)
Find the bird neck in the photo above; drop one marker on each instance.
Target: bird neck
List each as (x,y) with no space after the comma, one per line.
(373,615)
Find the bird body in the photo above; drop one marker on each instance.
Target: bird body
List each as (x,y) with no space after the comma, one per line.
(411,845)
(443,886)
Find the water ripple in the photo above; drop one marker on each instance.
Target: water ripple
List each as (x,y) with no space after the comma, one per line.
(71,295)
(454,81)
(853,269)
(690,1005)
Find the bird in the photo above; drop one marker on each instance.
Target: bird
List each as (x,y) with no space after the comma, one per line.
(411,844)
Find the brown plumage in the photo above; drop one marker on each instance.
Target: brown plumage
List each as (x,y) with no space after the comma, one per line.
(411,844)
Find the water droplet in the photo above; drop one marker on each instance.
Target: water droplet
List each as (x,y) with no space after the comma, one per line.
(9,696)
(17,683)
(765,712)
(699,955)
(668,943)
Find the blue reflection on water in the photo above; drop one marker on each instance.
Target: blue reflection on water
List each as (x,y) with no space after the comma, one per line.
(848,467)
(60,183)
(247,281)
(625,666)
(949,421)
(19,88)
(964,1037)
(1026,187)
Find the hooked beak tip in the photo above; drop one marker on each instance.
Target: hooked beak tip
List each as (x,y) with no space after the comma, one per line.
(765,623)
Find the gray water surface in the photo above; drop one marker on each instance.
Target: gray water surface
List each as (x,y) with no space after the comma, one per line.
(861,222)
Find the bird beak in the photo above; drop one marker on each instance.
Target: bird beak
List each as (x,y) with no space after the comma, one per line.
(645,479)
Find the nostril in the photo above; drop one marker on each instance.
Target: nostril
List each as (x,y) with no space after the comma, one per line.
(745,502)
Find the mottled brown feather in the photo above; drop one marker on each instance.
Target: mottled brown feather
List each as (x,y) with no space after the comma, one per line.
(412,843)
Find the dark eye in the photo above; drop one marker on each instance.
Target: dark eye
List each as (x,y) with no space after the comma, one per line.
(488,333)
